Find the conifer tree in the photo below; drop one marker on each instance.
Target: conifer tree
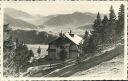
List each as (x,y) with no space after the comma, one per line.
(9,64)
(121,13)
(91,45)
(86,35)
(22,58)
(97,29)
(85,43)
(39,50)
(97,22)
(31,53)
(112,25)
(105,30)
(105,20)
(112,16)
(120,23)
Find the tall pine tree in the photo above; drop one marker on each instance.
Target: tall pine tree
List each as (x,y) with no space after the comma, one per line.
(105,20)
(85,43)
(120,22)
(39,50)
(97,29)
(112,25)
(97,23)
(112,16)
(91,47)
(105,31)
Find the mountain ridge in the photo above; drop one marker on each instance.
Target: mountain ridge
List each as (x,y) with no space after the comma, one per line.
(75,19)
(63,21)
(17,22)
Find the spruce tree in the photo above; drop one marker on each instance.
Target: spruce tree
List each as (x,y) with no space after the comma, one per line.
(112,25)
(112,16)
(97,29)
(86,35)
(105,31)
(120,22)
(31,53)
(97,22)
(105,20)
(121,13)
(85,43)
(22,58)
(91,45)
(39,50)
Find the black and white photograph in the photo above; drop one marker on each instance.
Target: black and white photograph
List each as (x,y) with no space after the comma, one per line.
(60,39)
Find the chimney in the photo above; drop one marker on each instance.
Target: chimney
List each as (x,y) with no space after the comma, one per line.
(61,34)
(71,34)
(70,31)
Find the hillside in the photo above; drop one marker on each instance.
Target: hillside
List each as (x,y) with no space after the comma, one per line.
(16,13)
(89,67)
(24,16)
(74,19)
(17,23)
(108,69)
(18,18)
(33,37)
(87,63)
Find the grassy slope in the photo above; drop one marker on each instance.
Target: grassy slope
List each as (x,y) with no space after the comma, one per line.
(109,69)
(66,72)
(72,68)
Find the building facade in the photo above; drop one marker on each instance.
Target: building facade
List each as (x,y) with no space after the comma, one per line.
(68,42)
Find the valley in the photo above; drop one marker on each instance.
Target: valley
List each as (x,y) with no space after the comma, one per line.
(52,24)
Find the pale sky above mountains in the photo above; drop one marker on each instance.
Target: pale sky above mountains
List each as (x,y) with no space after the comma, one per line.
(53,8)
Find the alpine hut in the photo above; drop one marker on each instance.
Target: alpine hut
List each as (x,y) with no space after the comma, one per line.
(68,42)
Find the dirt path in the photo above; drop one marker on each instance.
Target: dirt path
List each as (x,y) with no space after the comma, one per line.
(73,68)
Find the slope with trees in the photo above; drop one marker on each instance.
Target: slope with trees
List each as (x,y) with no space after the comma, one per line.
(33,36)
(16,56)
(106,31)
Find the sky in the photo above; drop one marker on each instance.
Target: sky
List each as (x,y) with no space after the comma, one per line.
(52,8)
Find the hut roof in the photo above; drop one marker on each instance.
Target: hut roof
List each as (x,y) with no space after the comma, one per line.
(66,38)
(74,38)
(60,40)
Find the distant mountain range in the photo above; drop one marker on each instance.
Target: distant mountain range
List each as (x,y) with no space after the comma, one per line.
(22,19)
(17,22)
(74,19)
(16,13)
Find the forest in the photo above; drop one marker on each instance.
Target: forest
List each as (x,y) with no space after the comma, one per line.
(33,36)
(106,31)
